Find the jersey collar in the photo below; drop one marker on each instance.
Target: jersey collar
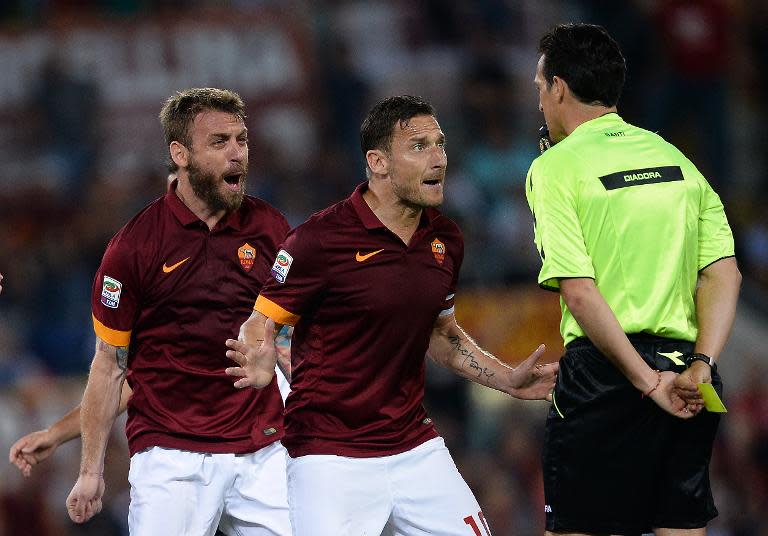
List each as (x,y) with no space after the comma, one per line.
(598,123)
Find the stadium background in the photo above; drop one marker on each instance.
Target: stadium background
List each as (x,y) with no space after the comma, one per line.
(81,151)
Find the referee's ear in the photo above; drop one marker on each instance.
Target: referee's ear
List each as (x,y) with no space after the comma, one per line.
(377,161)
(558,89)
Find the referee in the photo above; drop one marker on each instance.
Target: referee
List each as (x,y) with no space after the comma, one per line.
(638,245)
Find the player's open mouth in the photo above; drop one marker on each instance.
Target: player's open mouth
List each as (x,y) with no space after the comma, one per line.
(433,182)
(233,181)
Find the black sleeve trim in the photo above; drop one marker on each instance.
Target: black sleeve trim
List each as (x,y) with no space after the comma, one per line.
(717,260)
(557,288)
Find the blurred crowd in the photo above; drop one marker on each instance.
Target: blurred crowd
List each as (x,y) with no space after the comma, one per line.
(81,152)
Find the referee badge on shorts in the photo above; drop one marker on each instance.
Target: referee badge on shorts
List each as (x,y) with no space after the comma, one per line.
(247,254)
(281,266)
(438,250)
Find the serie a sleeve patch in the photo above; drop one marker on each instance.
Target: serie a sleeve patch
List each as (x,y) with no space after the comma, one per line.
(110,292)
(281,266)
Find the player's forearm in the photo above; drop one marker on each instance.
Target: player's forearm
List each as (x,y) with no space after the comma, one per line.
(125,395)
(255,351)
(100,406)
(451,347)
(252,330)
(66,428)
(716,298)
(601,326)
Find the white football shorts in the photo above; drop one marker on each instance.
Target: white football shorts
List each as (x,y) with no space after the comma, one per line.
(418,492)
(177,492)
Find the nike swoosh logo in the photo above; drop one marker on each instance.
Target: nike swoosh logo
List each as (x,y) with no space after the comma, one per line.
(168,269)
(361,258)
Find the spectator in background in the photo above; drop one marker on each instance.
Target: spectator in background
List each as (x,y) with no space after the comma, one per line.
(69,110)
(491,178)
(687,100)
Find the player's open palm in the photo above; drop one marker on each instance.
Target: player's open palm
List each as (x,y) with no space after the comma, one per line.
(84,500)
(32,449)
(257,361)
(531,380)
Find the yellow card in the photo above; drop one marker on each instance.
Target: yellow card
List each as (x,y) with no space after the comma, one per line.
(712,402)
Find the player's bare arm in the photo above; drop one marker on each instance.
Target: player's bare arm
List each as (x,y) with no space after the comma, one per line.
(601,326)
(716,295)
(450,346)
(38,446)
(256,353)
(98,411)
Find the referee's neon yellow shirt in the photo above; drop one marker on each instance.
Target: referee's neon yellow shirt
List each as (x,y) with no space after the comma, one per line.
(620,205)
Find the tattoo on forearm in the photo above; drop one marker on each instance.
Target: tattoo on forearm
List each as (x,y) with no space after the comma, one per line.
(121,354)
(469,361)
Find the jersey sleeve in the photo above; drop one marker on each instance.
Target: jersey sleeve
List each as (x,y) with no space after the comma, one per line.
(552,197)
(449,307)
(715,236)
(115,295)
(298,275)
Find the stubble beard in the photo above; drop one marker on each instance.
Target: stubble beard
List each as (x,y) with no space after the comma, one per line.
(412,197)
(207,187)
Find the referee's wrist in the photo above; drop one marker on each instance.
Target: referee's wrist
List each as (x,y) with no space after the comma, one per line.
(693,357)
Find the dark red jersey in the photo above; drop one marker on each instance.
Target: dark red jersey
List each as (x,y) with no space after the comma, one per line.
(175,291)
(363,305)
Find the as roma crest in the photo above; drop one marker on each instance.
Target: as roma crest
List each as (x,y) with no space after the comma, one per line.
(438,250)
(246,254)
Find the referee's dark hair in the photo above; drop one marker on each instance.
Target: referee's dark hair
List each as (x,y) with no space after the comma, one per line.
(588,59)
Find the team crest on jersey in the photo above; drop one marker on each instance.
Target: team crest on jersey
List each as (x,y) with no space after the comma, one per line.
(110,292)
(247,254)
(281,266)
(438,250)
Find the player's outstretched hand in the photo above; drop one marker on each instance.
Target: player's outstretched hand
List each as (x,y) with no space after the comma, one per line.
(84,500)
(531,380)
(257,363)
(667,397)
(32,449)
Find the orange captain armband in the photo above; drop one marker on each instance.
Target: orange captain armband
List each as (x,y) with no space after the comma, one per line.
(111,336)
(272,310)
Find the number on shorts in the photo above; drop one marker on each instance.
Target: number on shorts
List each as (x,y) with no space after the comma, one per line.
(469,520)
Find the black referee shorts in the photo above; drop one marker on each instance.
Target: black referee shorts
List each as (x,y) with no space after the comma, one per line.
(615,462)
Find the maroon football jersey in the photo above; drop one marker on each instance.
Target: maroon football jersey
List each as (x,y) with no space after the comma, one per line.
(175,291)
(363,305)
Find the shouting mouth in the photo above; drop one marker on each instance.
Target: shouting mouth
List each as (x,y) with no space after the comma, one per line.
(233,181)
